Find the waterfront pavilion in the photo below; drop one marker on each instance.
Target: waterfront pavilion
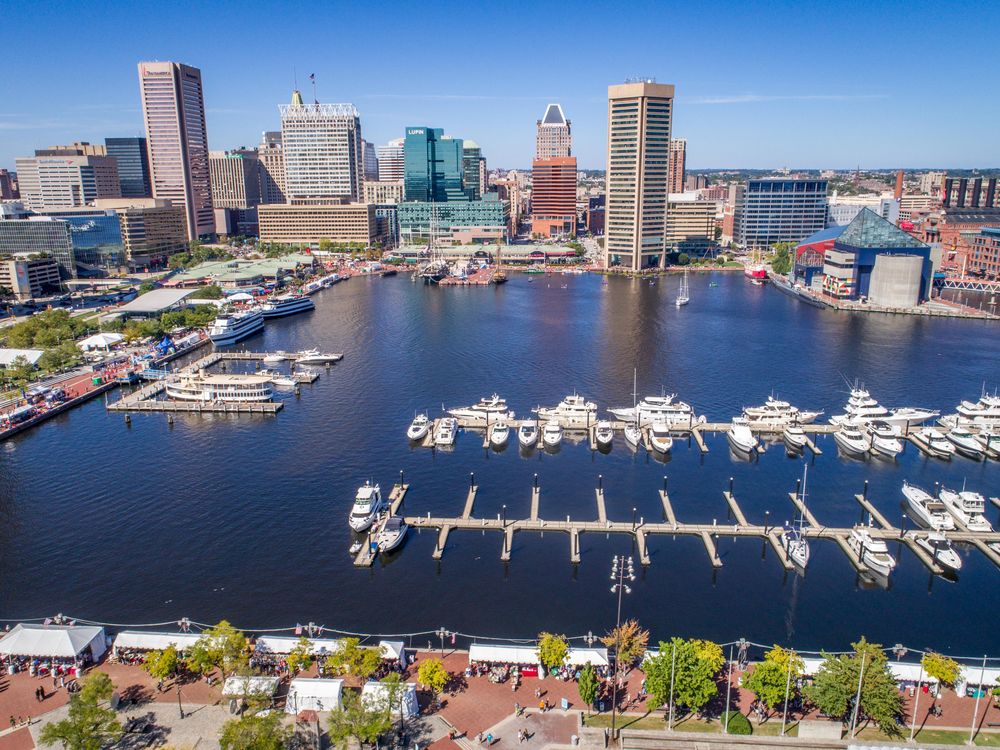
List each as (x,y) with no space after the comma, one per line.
(155,303)
(54,641)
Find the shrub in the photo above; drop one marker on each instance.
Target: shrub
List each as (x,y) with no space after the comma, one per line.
(738,723)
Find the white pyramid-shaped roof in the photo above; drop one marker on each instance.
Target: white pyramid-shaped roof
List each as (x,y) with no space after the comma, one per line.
(554,115)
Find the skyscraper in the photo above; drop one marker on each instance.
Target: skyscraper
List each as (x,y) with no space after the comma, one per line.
(133,165)
(553,196)
(173,109)
(272,168)
(434,165)
(678,163)
(639,120)
(66,181)
(324,158)
(390,160)
(370,159)
(235,178)
(472,155)
(552,134)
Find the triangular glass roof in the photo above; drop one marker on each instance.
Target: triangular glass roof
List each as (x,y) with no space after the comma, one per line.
(553,115)
(868,229)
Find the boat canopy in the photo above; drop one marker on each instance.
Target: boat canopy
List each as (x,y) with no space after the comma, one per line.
(503,653)
(142,640)
(60,641)
(313,694)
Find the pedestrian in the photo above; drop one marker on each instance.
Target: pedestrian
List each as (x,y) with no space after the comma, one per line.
(12,724)
(55,680)
(62,680)
(489,739)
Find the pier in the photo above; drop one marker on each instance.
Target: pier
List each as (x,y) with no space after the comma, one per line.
(369,550)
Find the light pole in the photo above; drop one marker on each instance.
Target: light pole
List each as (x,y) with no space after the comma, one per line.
(857,698)
(979,694)
(788,685)
(729,687)
(619,563)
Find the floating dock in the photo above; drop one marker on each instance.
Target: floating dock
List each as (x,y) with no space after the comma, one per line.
(369,551)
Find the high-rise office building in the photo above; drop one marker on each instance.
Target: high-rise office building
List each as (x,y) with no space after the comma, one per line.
(390,160)
(66,181)
(553,196)
(173,109)
(133,165)
(472,158)
(434,166)
(552,134)
(76,148)
(370,160)
(271,157)
(8,185)
(235,179)
(777,210)
(639,122)
(678,163)
(324,159)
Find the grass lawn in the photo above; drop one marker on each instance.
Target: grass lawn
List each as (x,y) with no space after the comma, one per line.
(656,722)
(935,737)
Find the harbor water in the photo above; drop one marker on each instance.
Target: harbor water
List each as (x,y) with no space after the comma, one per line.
(245,517)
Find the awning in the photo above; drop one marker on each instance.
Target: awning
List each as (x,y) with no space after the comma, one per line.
(251,685)
(503,653)
(375,695)
(100,341)
(62,641)
(149,641)
(240,297)
(155,301)
(909,671)
(391,649)
(579,656)
(313,694)
(285,644)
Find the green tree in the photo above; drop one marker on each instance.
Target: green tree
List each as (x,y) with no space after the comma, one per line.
(21,370)
(836,683)
(356,720)
(770,677)
(162,664)
(353,659)
(781,262)
(300,658)
(255,733)
(693,664)
(587,685)
(89,725)
(433,674)
(683,259)
(212,291)
(552,650)
(221,646)
(941,667)
(146,286)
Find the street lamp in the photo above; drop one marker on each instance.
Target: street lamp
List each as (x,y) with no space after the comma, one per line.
(621,568)
(442,634)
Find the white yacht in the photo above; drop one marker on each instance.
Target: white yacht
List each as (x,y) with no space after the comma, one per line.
(740,436)
(990,442)
(884,440)
(665,408)
(933,443)
(968,508)
(235,326)
(221,387)
(873,553)
(604,434)
(792,538)
(573,411)
(861,407)
(779,412)
(273,358)
(499,433)
(278,378)
(633,435)
(527,434)
(965,443)
(852,440)
(552,434)
(487,410)
(794,437)
(659,437)
(316,357)
(939,547)
(985,412)
(419,427)
(286,304)
(445,432)
(926,510)
(391,533)
(368,504)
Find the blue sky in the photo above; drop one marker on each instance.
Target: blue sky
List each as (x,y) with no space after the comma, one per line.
(759,84)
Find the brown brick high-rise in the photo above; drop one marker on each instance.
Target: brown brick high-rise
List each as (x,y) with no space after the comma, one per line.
(553,196)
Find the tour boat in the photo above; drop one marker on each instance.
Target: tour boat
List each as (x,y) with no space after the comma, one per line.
(419,427)
(926,510)
(444,433)
(235,326)
(552,434)
(604,434)
(884,439)
(499,433)
(968,508)
(755,271)
(391,533)
(486,410)
(683,297)
(990,442)
(861,407)
(572,411)
(659,437)
(740,437)
(933,443)
(779,412)
(873,553)
(965,443)
(527,434)
(659,408)
(794,437)
(286,304)
(316,357)
(368,504)
(221,387)
(939,547)
(852,440)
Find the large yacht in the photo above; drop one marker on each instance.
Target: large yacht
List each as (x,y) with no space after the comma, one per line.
(659,408)
(926,510)
(368,504)
(741,437)
(873,553)
(938,547)
(779,413)
(968,508)
(219,387)
(985,412)
(235,326)
(933,443)
(573,411)
(852,440)
(286,304)
(861,407)
(487,410)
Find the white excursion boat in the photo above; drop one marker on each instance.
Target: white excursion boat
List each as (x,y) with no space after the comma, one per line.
(968,508)
(604,434)
(965,443)
(391,533)
(221,387)
(658,408)
(779,412)
(552,434)
(794,437)
(316,357)
(660,438)
(873,553)
(444,433)
(487,410)
(861,407)
(368,504)
(939,547)
(286,304)
(499,433)
(933,443)
(792,539)
(740,436)
(572,411)
(852,440)
(926,510)
(527,434)
(235,326)
(885,440)
(419,427)
(990,442)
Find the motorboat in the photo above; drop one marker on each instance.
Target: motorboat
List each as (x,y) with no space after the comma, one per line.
(873,553)
(445,432)
(852,440)
(499,433)
(884,440)
(795,437)
(741,438)
(274,358)
(933,443)
(659,437)
(278,378)
(419,427)
(633,435)
(286,304)
(391,533)
(774,411)
(938,547)
(604,434)
(572,411)
(990,442)
(965,443)
(968,508)
(487,410)
(235,326)
(927,510)
(316,357)
(218,387)
(982,413)
(527,434)
(663,408)
(368,504)
(861,407)
(552,434)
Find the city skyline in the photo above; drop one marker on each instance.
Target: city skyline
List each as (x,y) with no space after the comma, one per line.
(732,113)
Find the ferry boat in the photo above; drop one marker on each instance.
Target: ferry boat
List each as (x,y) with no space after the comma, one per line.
(368,504)
(486,410)
(572,411)
(968,508)
(873,553)
(779,412)
(286,304)
(222,387)
(861,407)
(659,408)
(926,510)
(235,326)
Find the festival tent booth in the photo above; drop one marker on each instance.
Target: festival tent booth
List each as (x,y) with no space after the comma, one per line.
(905,672)
(237,686)
(577,657)
(313,694)
(975,679)
(54,641)
(285,644)
(393,651)
(100,341)
(525,656)
(142,640)
(375,695)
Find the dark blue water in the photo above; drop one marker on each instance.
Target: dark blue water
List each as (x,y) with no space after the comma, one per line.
(245,518)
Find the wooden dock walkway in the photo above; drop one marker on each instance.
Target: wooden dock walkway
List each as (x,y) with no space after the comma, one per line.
(801,506)
(873,511)
(668,509)
(735,508)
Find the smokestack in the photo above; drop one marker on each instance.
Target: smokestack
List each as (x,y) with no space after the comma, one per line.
(899,185)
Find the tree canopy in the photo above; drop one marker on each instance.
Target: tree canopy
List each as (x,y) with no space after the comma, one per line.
(89,725)
(694,664)
(351,658)
(251,732)
(941,667)
(587,685)
(300,658)
(552,650)
(162,664)
(365,723)
(433,674)
(770,677)
(221,646)
(629,642)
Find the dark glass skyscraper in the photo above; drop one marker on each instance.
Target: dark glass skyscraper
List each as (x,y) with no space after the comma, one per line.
(433,164)
(133,165)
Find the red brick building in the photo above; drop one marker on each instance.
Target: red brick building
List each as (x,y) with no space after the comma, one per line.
(553,196)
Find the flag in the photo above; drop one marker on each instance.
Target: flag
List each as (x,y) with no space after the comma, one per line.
(312,77)
(298,629)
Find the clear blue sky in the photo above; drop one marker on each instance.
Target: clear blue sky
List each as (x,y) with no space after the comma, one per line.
(759,84)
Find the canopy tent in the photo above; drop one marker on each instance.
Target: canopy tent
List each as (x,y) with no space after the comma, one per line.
(100,341)
(240,297)
(313,694)
(376,694)
(284,644)
(142,640)
(31,356)
(250,685)
(393,650)
(901,670)
(60,641)
(503,653)
(577,657)
(975,675)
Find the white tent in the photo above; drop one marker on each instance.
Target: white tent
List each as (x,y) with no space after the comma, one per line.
(503,653)
(313,694)
(100,341)
(240,297)
(61,641)
(393,650)
(579,656)
(284,644)
(376,694)
(250,685)
(143,640)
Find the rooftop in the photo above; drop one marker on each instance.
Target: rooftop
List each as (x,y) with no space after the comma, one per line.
(869,230)
(155,301)
(553,115)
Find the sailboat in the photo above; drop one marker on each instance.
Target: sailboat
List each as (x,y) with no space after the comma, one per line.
(682,293)
(633,435)
(792,539)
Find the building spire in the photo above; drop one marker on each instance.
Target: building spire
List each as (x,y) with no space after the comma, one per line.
(296,98)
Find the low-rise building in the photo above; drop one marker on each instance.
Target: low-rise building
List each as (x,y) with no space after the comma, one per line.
(691,224)
(308,224)
(416,217)
(29,276)
(985,257)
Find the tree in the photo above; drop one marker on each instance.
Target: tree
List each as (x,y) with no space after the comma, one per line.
(254,733)
(433,674)
(221,646)
(629,642)
(552,650)
(212,291)
(770,677)
(364,723)
(300,658)
(146,286)
(587,685)
(21,370)
(693,664)
(836,683)
(942,668)
(353,659)
(162,664)
(683,259)
(89,726)
(781,263)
